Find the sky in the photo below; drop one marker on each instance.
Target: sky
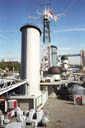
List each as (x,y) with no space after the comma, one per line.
(68,34)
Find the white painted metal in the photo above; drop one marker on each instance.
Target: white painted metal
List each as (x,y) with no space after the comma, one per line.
(1,119)
(50,57)
(52,51)
(56,77)
(11,87)
(61,82)
(12,104)
(39,117)
(20,117)
(82,53)
(65,66)
(30,58)
(65,61)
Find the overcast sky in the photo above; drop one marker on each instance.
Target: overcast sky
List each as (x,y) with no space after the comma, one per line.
(68,34)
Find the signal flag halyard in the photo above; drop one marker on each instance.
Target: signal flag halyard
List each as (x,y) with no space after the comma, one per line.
(52,15)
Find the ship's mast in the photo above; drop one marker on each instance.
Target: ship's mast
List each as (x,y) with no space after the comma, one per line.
(46,15)
(46,31)
(46,25)
(46,36)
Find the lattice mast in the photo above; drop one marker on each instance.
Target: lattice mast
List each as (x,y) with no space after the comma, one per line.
(46,15)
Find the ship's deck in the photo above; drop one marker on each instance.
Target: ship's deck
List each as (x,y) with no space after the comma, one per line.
(64,114)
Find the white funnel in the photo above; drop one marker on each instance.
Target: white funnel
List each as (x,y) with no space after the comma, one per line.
(30,58)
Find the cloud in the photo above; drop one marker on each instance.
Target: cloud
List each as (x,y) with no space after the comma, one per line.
(71,30)
(64,48)
(3,36)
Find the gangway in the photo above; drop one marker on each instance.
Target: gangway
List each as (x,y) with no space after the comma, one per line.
(6,88)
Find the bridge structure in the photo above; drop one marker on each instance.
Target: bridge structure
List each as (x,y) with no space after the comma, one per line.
(70,55)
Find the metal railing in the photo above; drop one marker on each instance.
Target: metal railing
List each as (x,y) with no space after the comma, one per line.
(8,85)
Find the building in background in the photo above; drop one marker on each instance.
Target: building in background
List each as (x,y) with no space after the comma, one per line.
(82,53)
(6,59)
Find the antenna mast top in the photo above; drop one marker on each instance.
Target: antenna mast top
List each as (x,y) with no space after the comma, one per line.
(45,3)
